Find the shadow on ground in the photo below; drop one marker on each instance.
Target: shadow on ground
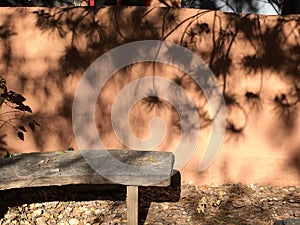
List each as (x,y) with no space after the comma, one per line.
(85,192)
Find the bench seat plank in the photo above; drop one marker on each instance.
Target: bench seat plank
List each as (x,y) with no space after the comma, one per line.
(71,167)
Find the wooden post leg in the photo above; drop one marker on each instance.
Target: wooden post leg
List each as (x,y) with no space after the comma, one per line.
(132,205)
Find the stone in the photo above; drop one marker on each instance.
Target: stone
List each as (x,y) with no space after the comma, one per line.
(11,216)
(291,221)
(288,221)
(291,213)
(41,221)
(38,205)
(89,212)
(37,213)
(73,221)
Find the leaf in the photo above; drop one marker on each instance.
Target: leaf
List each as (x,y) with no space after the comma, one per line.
(21,135)
(31,125)
(22,128)
(17,98)
(23,107)
(19,108)
(28,109)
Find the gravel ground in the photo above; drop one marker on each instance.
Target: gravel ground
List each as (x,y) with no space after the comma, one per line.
(228,204)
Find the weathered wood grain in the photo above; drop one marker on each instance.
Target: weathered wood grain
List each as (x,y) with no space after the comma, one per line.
(132,205)
(148,168)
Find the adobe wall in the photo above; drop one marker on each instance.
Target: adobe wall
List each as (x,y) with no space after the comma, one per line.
(255,59)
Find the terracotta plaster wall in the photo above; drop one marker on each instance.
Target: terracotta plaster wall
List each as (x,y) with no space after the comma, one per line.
(256,60)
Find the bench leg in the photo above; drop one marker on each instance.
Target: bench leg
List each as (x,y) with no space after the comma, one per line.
(132,205)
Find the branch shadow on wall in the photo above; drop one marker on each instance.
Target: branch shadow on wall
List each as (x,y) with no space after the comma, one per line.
(88,34)
(89,37)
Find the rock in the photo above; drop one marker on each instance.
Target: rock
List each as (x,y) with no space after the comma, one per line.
(288,221)
(41,221)
(51,204)
(73,221)
(118,215)
(51,222)
(165,207)
(89,212)
(278,222)
(291,189)
(11,216)
(37,213)
(38,205)
(247,201)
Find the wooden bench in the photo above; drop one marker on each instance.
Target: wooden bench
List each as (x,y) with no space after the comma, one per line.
(72,167)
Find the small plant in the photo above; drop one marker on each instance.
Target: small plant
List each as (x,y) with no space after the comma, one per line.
(16,109)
